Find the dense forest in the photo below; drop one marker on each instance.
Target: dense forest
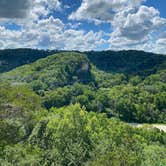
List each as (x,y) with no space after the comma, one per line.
(74,108)
(12,58)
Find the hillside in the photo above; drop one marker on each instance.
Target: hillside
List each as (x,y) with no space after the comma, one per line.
(71,108)
(12,58)
(127,62)
(54,71)
(71,77)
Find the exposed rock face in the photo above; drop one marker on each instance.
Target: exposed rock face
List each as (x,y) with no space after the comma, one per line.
(84,73)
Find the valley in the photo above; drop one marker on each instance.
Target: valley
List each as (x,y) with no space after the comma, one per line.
(83,108)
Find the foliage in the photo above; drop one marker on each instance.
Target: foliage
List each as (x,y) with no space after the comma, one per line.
(128,62)
(71,77)
(135,104)
(71,136)
(70,109)
(52,72)
(19,110)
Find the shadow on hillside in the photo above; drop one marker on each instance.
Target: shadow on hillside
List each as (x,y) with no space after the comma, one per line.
(127,62)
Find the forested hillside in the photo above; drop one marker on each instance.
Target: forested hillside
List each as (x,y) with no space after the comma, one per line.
(12,58)
(66,78)
(71,108)
(128,62)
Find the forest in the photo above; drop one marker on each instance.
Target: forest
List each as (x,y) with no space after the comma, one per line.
(75,108)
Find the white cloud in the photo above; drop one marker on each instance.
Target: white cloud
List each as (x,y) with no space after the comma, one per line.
(80,40)
(134,28)
(137,25)
(39,30)
(50,33)
(133,24)
(102,10)
(34,10)
(42,8)
(160,44)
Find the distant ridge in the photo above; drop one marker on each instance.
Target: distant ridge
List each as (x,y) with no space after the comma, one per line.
(12,58)
(127,62)
(99,81)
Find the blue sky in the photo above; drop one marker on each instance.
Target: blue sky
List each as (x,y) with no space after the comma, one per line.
(158,4)
(84,24)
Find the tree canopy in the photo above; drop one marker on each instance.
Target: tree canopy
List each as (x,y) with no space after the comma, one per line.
(73,109)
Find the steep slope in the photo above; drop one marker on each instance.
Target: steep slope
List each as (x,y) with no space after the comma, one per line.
(12,58)
(75,117)
(54,71)
(19,109)
(128,62)
(69,77)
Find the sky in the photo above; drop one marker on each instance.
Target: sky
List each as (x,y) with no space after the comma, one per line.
(84,24)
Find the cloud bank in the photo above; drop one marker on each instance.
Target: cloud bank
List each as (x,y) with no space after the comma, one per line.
(102,10)
(133,25)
